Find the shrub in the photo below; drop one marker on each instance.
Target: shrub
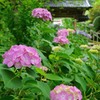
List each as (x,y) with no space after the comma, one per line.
(96,23)
(95,11)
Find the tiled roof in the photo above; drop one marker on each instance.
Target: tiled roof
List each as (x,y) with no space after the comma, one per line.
(70,3)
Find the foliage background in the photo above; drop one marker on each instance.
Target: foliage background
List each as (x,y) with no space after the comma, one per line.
(72,65)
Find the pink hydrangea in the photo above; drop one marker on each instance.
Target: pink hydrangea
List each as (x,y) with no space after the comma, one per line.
(64,92)
(21,55)
(42,13)
(63,32)
(61,40)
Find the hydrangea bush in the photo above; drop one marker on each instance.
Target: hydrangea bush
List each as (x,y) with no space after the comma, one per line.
(59,55)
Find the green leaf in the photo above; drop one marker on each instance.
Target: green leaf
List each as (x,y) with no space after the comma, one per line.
(40,71)
(30,72)
(50,44)
(69,51)
(44,59)
(66,64)
(44,88)
(62,55)
(10,79)
(67,79)
(53,77)
(3,66)
(90,82)
(29,80)
(31,84)
(89,71)
(81,81)
(6,98)
(94,56)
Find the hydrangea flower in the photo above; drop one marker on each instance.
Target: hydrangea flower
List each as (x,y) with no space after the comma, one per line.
(44,68)
(84,46)
(84,34)
(61,40)
(62,32)
(97,47)
(61,36)
(42,13)
(93,51)
(64,92)
(56,48)
(21,55)
(71,30)
(78,60)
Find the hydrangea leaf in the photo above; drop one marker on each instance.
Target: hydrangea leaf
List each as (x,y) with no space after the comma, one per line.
(10,79)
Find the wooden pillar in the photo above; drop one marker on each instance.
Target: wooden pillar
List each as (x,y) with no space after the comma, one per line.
(75,24)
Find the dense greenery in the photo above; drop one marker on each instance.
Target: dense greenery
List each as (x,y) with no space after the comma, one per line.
(76,63)
(95,11)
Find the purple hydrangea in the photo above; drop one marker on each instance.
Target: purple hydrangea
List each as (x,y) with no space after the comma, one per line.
(42,13)
(64,92)
(61,40)
(62,32)
(88,36)
(21,55)
(84,34)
